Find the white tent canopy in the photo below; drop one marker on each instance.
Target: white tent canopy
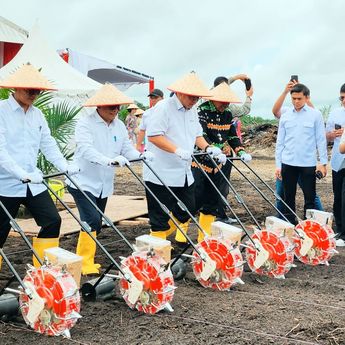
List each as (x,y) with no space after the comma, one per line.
(41,55)
(104,71)
(10,32)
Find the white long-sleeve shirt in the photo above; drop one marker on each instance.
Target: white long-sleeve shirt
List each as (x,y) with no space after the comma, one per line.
(181,127)
(97,144)
(22,135)
(337,116)
(300,135)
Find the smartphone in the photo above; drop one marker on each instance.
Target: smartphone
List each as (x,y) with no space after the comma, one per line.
(337,126)
(248,84)
(319,175)
(294,77)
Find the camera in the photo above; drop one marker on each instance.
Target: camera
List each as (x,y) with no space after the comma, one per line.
(337,126)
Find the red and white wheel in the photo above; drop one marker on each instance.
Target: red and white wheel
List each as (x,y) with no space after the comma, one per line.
(318,247)
(279,254)
(223,267)
(151,288)
(54,306)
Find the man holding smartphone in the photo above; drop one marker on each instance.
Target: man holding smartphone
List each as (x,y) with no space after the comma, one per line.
(301,134)
(278,110)
(334,130)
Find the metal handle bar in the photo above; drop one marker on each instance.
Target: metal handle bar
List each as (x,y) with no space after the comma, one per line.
(222,196)
(86,228)
(163,207)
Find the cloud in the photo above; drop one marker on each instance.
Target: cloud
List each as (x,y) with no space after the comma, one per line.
(268,39)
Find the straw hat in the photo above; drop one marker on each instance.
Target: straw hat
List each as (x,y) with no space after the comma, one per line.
(190,85)
(139,112)
(132,106)
(223,93)
(108,94)
(27,77)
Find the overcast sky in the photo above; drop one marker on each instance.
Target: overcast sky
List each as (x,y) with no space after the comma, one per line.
(267,39)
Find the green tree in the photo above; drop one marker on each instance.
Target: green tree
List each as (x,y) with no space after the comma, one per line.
(325,111)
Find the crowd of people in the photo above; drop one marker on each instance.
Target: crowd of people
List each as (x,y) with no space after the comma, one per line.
(166,137)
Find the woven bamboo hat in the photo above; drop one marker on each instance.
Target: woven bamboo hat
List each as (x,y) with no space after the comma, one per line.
(190,85)
(27,77)
(132,106)
(108,94)
(139,112)
(223,93)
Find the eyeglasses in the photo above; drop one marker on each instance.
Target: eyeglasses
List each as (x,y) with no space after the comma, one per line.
(341,98)
(193,98)
(112,107)
(33,92)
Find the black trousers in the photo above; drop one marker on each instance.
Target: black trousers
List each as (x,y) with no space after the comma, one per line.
(207,199)
(158,218)
(87,212)
(338,183)
(41,207)
(224,189)
(290,176)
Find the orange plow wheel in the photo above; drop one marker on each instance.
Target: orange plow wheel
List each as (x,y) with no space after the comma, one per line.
(54,306)
(280,254)
(323,243)
(157,284)
(228,264)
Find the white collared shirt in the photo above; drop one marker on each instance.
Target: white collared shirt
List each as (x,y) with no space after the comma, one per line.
(181,127)
(300,135)
(144,120)
(337,116)
(22,135)
(98,143)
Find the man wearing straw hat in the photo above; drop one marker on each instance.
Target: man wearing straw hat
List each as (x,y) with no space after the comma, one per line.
(236,112)
(216,121)
(23,132)
(101,143)
(173,131)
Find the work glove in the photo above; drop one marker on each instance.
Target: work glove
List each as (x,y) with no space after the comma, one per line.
(72,169)
(221,158)
(120,160)
(213,151)
(34,177)
(149,156)
(183,154)
(245,157)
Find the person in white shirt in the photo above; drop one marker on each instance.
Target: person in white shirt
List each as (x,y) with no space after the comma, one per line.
(301,134)
(155,96)
(23,132)
(173,131)
(101,143)
(334,131)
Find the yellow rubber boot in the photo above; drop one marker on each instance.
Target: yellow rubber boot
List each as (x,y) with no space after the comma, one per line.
(86,248)
(40,244)
(159,234)
(205,221)
(179,236)
(172,227)
(165,233)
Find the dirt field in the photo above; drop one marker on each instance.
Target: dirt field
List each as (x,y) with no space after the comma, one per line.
(308,307)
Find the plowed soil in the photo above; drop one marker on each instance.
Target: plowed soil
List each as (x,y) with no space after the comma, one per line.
(308,307)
